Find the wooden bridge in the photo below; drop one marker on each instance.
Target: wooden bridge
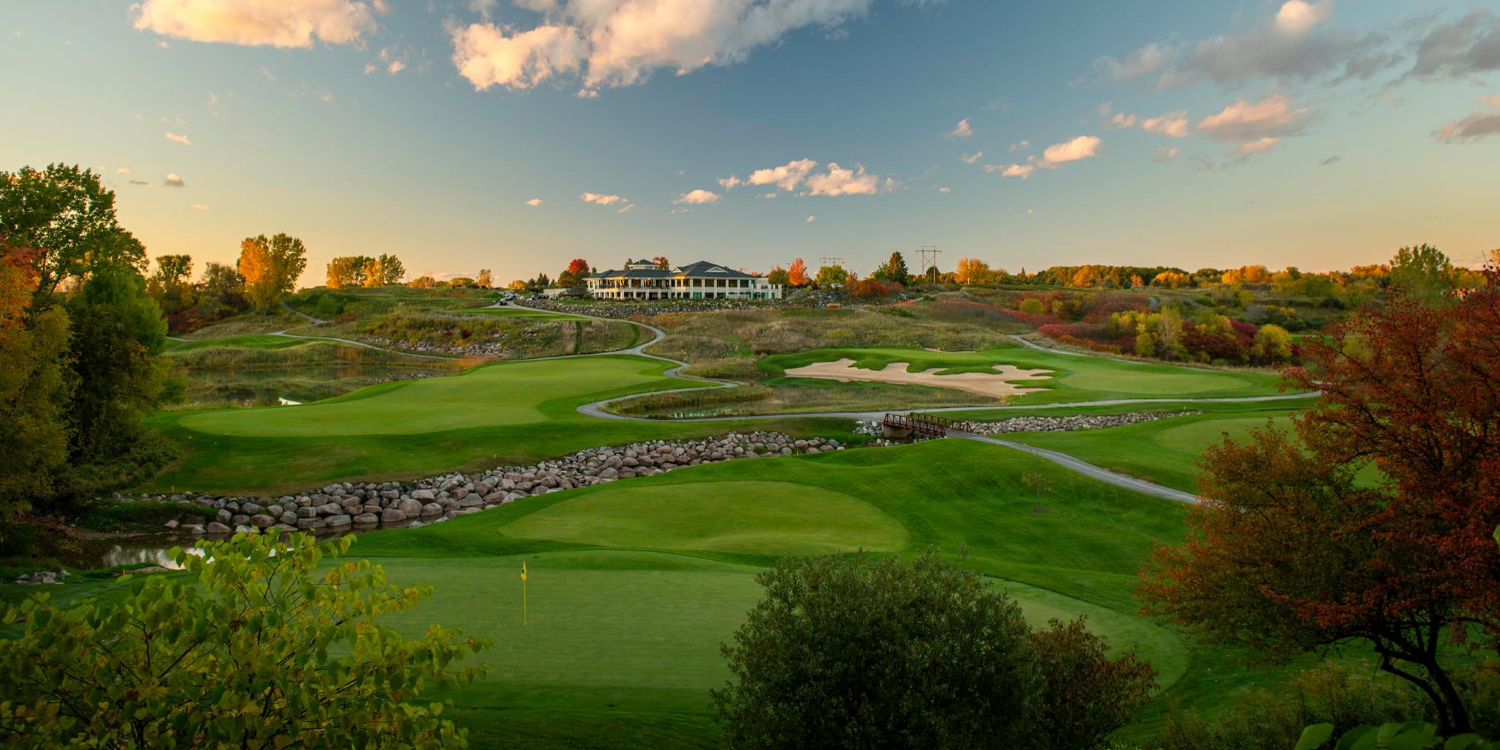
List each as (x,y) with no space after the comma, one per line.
(930,425)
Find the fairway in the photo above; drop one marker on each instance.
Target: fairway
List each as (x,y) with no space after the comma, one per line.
(1072,378)
(501,394)
(766,518)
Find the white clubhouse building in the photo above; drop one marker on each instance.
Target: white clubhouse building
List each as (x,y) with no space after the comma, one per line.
(701,280)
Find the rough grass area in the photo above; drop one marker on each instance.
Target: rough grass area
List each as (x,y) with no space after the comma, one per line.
(249,323)
(496,336)
(510,412)
(331,303)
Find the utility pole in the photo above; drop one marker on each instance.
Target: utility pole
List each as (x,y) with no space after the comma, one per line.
(927,257)
(830,260)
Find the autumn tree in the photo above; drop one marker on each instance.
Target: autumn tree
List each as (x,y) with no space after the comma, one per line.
(833,275)
(351,270)
(574,274)
(1272,344)
(271,642)
(422,282)
(34,442)
(796,275)
(1289,553)
(485,279)
(972,271)
(662,262)
(1084,694)
(271,267)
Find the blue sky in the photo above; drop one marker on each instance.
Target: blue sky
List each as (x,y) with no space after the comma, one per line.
(1317,134)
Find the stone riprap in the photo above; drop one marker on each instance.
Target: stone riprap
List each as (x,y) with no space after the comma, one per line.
(368,505)
(873,427)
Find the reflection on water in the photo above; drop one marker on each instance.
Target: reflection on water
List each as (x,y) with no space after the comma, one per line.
(152,549)
(286,386)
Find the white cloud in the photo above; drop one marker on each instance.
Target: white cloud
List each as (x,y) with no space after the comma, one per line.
(1082,147)
(173,180)
(163,45)
(1243,122)
(1174,124)
(199,206)
(284,23)
(787,177)
(625,209)
(971,158)
(534,202)
(811,219)
(1257,146)
(840,181)
(1122,120)
(1165,154)
(730,182)
(123,170)
(601,199)
(395,67)
(371,68)
(1297,16)
(616,43)
(587,94)
(945,190)
(698,198)
(962,130)
(179,138)
(1019,145)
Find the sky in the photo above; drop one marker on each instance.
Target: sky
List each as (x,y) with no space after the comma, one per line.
(515,135)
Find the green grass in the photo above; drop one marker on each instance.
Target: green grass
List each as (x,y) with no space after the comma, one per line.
(496,414)
(244,341)
(633,585)
(1072,379)
(519,312)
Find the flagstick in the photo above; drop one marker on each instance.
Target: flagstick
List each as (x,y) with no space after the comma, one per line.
(523,593)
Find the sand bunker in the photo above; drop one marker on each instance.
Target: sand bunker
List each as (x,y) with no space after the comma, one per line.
(983,383)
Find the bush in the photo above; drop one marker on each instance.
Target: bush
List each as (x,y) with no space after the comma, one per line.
(262,648)
(875,652)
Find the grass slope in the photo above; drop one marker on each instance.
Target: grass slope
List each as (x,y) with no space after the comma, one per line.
(1073,379)
(497,414)
(632,588)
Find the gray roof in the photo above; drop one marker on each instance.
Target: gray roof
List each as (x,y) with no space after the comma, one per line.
(700,269)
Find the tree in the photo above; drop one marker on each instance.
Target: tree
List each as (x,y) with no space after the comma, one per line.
(861,652)
(351,270)
(778,276)
(1289,554)
(485,279)
(117,331)
(894,269)
(972,271)
(1085,695)
(34,442)
(390,271)
(271,267)
(423,282)
(171,285)
(662,262)
(796,275)
(270,646)
(221,291)
(834,275)
(1272,344)
(67,217)
(574,274)
(1424,272)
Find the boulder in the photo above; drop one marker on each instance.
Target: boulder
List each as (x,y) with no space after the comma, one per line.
(392,515)
(337,521)
(366,519)
(423,495)
(409,507)
(262,521)
(432,509)
(214,527)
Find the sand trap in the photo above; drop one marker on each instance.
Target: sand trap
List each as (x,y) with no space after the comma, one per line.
(982,383)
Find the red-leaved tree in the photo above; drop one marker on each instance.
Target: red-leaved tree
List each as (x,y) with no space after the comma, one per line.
(1291,552)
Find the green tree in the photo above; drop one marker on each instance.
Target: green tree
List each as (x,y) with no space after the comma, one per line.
(271,267)
(172,285)
(894,269)
(1084,694)
(834,275)
(778,275)
(866,652)
(221,291)
(269,646)
(387,270)
(1424,272)
(1272,344)
(352,270)
(67,217)
(117,331)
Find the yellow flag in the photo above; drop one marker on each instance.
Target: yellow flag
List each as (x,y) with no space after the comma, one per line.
(523,570)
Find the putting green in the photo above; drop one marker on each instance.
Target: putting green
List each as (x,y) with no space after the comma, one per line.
(1073,379)
(766,518)
(501,394)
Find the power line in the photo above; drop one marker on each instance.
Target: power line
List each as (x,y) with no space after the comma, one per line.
(927,257)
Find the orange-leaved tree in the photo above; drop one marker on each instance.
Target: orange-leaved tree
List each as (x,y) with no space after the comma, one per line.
(796,275)
(1291,551)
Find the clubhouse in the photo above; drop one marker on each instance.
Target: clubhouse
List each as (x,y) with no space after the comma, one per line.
(701,280)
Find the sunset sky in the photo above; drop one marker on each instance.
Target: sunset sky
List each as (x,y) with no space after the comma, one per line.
(518,134)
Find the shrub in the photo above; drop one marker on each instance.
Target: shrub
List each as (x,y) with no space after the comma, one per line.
(261,648)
